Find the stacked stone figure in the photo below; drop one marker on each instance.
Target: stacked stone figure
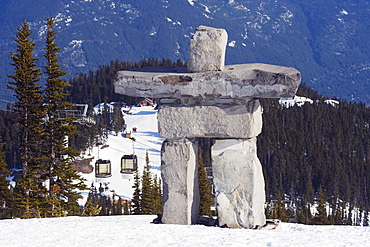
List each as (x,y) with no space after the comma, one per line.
(211,100)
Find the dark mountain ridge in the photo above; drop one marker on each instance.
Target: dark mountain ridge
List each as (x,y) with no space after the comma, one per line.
(326,40)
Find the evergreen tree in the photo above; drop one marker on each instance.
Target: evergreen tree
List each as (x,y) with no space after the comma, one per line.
(279,211)
(348,220)
(147,197)
(26,87)
(366,218)
(118,121)
(60,172)
(6,203)
(157,196)
(118,206)
(321,217)
(136,199)
(205,189)
(91,208)
(303,212)
(126,210)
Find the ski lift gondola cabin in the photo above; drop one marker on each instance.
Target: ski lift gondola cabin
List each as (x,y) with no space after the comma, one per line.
(128,164)
(103,168)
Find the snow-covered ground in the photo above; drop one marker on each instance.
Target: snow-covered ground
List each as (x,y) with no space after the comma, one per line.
(136,230)
(144,119)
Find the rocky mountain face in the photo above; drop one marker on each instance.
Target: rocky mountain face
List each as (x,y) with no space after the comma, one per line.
(327,41)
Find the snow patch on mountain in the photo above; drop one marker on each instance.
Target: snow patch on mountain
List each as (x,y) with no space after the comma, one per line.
(232,43)
(287,16)
(344,12)
(191,2)
(173,22)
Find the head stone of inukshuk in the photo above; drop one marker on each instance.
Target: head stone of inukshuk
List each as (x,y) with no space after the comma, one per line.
(211,100)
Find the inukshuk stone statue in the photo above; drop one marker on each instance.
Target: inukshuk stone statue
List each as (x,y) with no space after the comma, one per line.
(210,100)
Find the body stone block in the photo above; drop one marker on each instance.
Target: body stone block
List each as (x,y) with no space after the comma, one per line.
(233,120)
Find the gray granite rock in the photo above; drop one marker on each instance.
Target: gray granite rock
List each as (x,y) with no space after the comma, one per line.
(237,119)
(234,82)
(180,181)
(213,101)
(207,49)
(238,183)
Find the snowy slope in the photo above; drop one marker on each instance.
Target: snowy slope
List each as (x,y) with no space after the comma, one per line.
(136,230)
(147,138)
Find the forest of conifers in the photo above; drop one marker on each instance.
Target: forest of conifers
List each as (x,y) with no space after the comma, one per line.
(303,150)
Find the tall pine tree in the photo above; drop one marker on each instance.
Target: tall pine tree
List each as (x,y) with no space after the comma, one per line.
(147,200)
(136,198)
(26,87)
(63,179)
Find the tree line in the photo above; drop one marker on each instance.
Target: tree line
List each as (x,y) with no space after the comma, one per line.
(317,152)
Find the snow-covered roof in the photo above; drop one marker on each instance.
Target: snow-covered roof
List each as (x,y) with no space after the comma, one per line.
(100,107)
(296,100)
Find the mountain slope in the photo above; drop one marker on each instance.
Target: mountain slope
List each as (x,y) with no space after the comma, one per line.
(327,41)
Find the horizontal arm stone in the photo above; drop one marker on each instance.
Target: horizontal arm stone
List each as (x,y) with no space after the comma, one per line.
(235,81)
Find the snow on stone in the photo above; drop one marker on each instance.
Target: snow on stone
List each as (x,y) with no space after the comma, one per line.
(136,230)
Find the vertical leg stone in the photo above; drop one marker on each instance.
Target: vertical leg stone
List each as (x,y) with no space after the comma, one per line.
(180,181)
(239,183)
